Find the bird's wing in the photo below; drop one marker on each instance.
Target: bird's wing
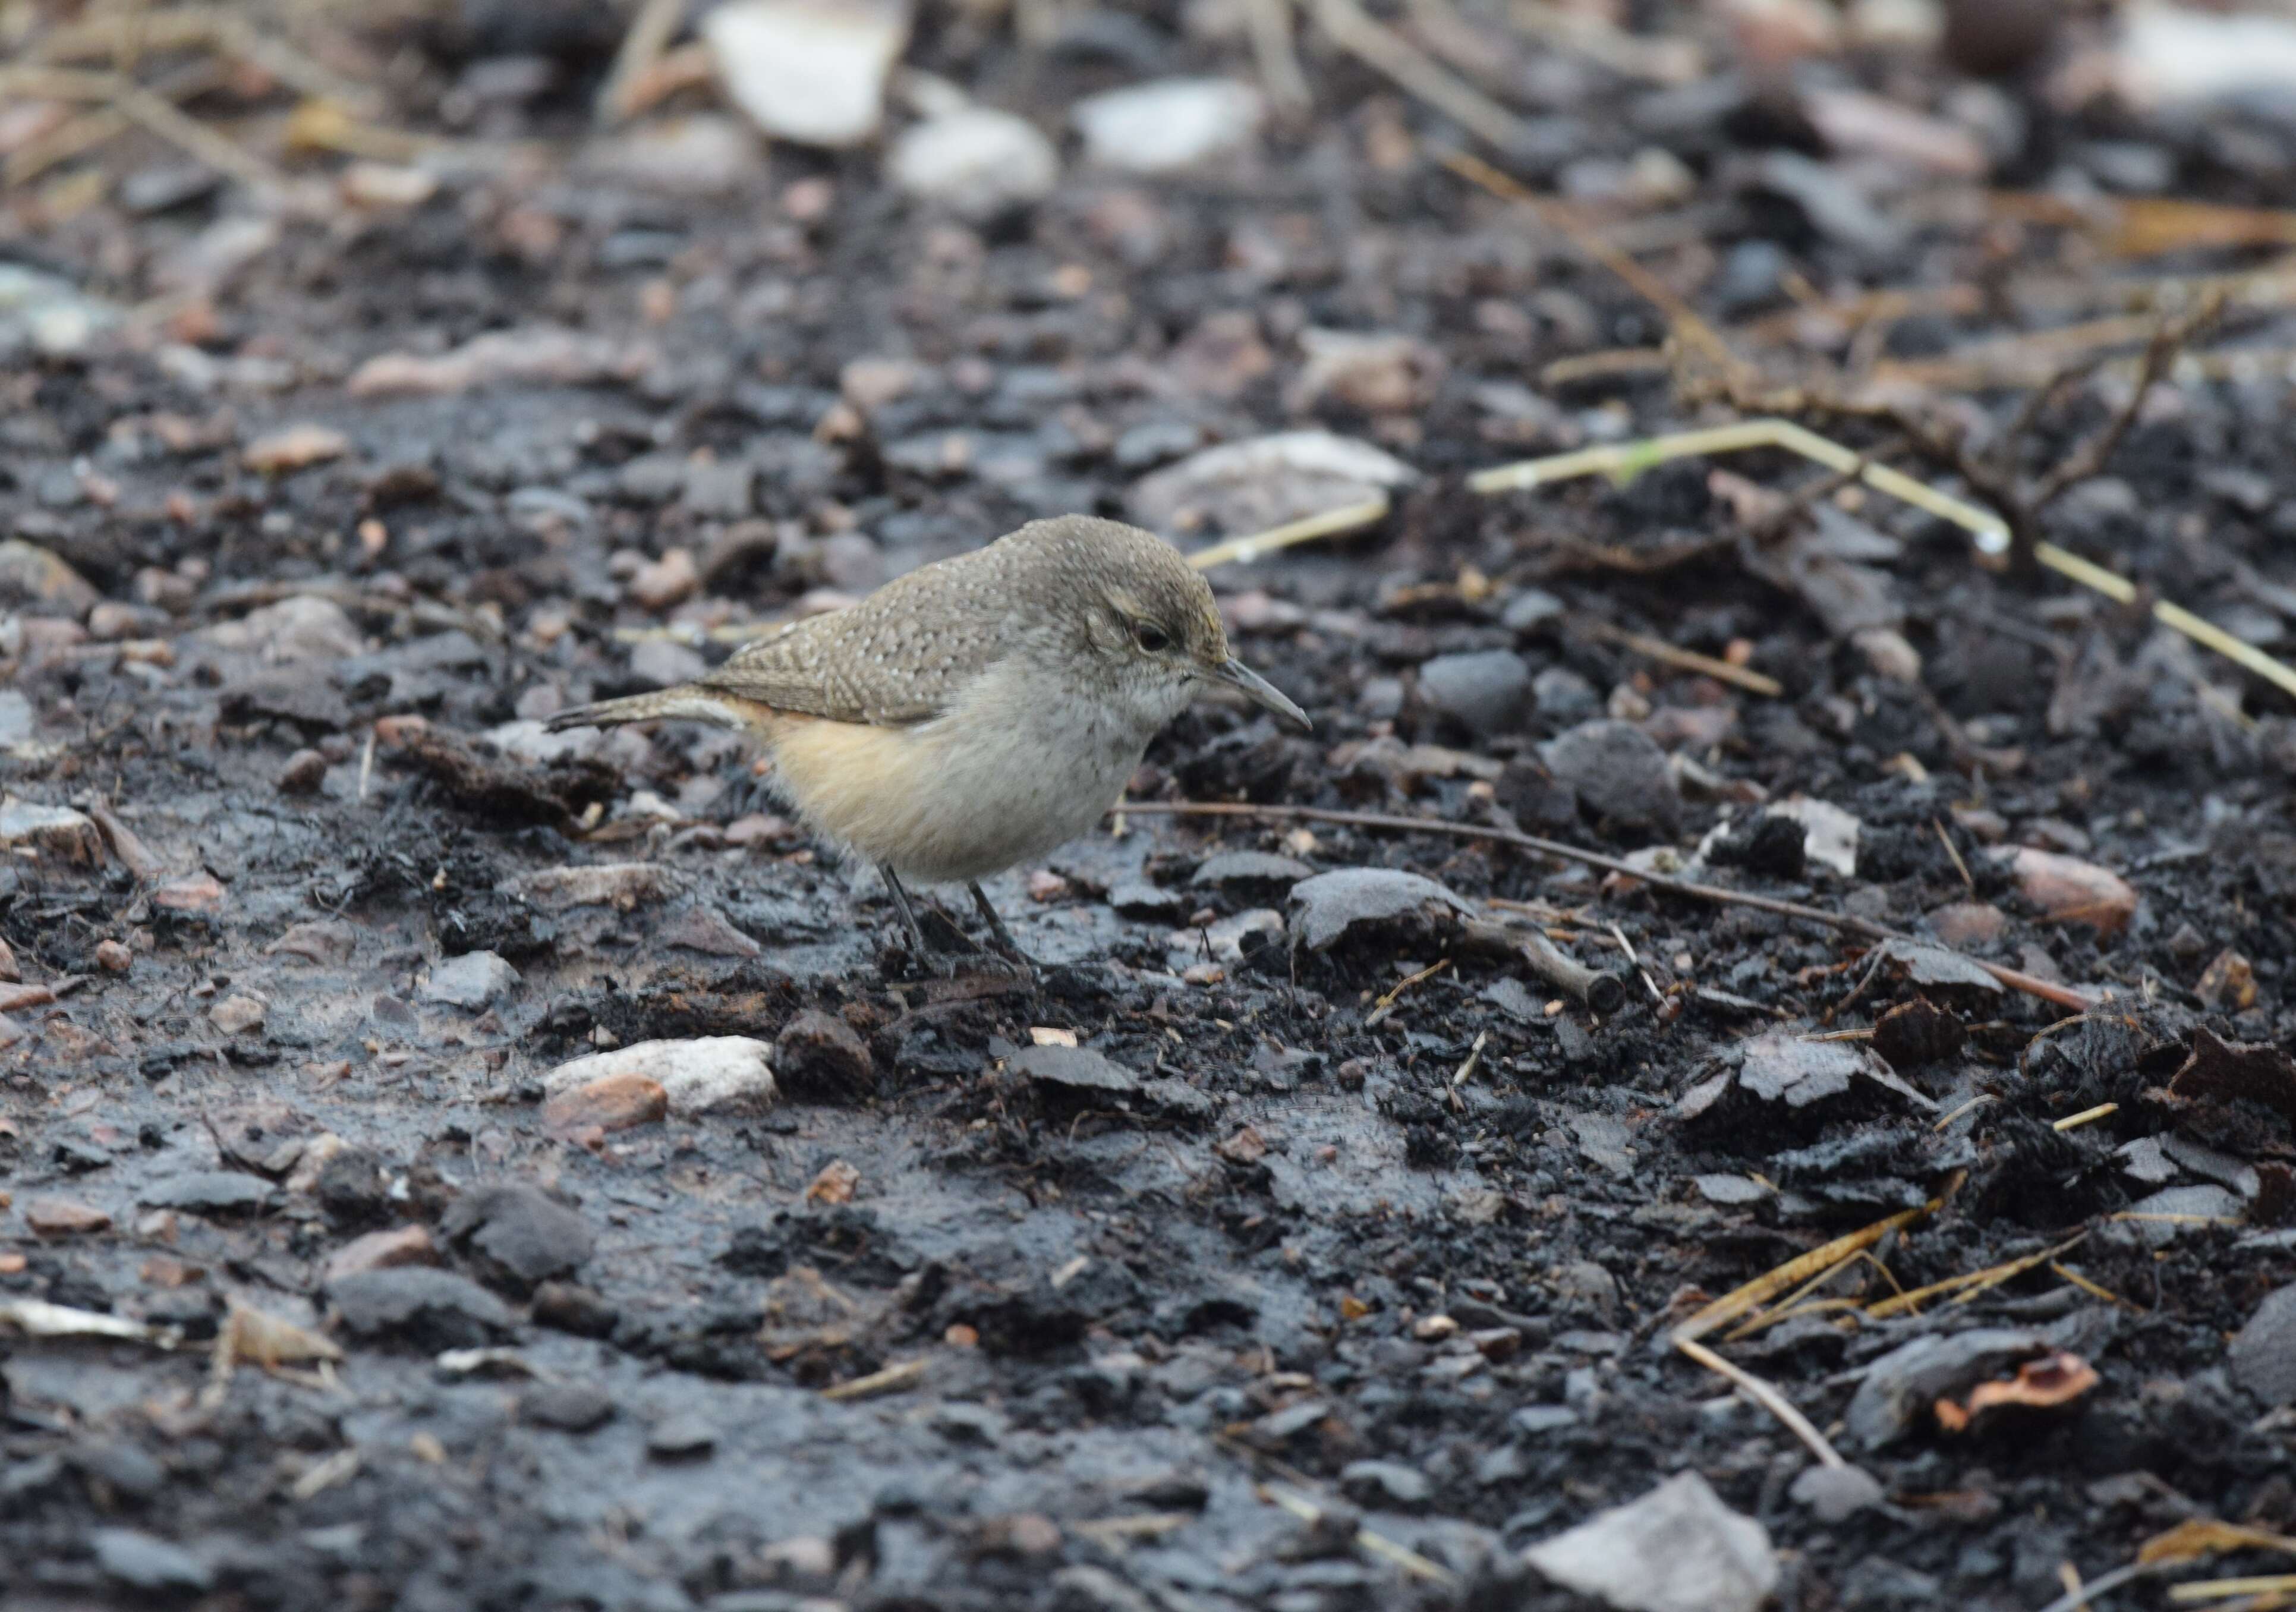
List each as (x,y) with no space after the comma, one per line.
(889,661)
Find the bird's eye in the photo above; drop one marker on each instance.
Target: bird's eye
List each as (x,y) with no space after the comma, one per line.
(1150,637)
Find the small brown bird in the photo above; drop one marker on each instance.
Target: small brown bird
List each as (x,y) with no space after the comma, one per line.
(977,712)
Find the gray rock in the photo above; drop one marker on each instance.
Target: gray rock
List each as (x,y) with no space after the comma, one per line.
(821,1058)
(29,575)
(147,1562)
(1386,1484)
(309,703)
(2177,1210)
(681,1438)
(1677,1548)
(1835,1495)
(721,489)
(519,1232)
(570,1407)
(1618,772)
(1141,898)
(1078,1068)
(1563,694)
(1089,1589)
(1897,1390)
(658,664)
(1485,692)
(432,1307)
(1331,904)
(209,1192)
(1835,207)
(1531,608)
(16,717)
(475,980)
(1537,1421)
(2263,1354)
(1257,868)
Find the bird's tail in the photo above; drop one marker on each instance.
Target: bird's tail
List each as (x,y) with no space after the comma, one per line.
(682,704)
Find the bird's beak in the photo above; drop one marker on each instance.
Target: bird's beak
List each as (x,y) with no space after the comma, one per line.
(1235,674)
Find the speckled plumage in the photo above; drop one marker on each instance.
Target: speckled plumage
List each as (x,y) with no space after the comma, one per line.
(902,654)
(979,712)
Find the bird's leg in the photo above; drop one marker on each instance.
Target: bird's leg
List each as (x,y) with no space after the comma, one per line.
(934,957)
(908,913)
(1004,940)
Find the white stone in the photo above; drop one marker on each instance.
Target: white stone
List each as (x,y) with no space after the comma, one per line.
(705,1075)
(1264,481)
(1169,123)
(809,71)
(1677,1548)
(297,629)
(975,161)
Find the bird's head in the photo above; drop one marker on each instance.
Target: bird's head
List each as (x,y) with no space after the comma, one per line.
(1145,620)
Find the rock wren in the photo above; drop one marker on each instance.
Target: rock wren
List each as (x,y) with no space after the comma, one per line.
(977,712)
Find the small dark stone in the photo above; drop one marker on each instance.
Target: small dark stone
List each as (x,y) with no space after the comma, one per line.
(309,703)
(1381,1483)
(1541,802)
(428,1308)
(127,1470)
(519,1233)
(1253,869)
(570,1307)
(1769,846)
(818,1059)
(353,1188)
(1077,1068)
(2263,1353)
(1619,774)
(569,1407)
(1485,692)
(1917,1032)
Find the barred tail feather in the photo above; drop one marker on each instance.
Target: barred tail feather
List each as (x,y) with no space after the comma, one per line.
(687,704)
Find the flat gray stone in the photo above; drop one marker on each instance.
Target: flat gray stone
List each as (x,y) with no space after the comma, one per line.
(147,1562)
(1486,692)
(1079,1068)
(1677,1548)
(1332,904)
(2263,1353)
(476,980)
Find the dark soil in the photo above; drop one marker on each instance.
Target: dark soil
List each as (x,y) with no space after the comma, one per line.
(1310,1208)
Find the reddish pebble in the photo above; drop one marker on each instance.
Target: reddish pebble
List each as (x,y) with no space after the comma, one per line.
(304,770)
(611,1102)
(63,1217)
(1966,924)
(15,998)
(2070,891)
(198,893)
(112,957)
(382,1251)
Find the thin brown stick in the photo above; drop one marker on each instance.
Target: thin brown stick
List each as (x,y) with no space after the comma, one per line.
(2063,997)
(1767,1397)
(2168,341)
(1680,315)
(1687,660)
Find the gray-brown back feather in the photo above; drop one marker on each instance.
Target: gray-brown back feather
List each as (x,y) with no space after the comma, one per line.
(902,654)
